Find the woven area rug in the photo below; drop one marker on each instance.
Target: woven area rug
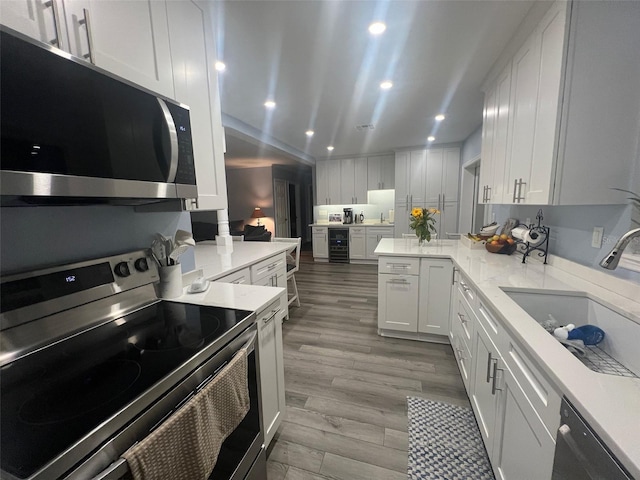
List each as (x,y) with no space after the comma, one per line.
(445,443)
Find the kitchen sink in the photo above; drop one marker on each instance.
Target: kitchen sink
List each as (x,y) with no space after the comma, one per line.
(617,354)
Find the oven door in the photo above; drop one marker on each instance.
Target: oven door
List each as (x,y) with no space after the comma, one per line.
(240,453)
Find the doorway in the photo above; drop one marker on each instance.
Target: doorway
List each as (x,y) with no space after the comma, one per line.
(471,212)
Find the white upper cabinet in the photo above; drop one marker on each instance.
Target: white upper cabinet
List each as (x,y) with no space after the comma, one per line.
(127,38)
(442,174)
(380,172)
(322,192)
(410,177)
(196,85)
(39,19)
(328,185)
(555,130)
(353,180)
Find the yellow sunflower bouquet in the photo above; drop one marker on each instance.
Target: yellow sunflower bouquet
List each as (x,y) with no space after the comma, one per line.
(423,222)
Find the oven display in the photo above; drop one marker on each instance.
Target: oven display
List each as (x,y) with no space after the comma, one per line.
(27,291)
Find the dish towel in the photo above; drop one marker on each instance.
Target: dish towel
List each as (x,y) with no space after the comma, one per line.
(187,444)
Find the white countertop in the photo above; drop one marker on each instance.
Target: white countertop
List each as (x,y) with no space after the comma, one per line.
(228,295)
(217,261)
(347,225)
(610,404)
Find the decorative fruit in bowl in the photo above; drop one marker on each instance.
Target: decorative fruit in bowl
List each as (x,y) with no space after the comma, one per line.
(501,244)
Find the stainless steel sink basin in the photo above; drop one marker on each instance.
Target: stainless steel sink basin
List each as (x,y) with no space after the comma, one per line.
(617,354)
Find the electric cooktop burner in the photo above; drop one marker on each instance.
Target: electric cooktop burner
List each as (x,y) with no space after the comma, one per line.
(53,397)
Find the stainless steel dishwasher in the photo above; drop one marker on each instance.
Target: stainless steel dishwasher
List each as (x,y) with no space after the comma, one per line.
(580,454)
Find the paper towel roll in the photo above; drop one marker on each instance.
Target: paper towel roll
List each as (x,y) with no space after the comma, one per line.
(534,238)
(519,232)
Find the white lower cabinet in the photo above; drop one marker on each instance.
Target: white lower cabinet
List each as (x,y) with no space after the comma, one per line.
(398,302)
(374,235)
(320,240)
(414,296)
(357,243)
(435,289)
(241,277)
(271,366)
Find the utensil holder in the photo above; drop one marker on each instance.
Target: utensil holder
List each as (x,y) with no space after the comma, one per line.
(170,281)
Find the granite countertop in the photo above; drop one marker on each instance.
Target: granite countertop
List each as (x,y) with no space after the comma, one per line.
(610,404)
(217,261)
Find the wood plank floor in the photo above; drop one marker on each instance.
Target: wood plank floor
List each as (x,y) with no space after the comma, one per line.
(346,387)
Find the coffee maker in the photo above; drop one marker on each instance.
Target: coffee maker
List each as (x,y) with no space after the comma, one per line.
(348,216)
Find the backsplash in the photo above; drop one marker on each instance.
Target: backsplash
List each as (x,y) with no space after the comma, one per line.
(572,229)
(378,202)
(35,237)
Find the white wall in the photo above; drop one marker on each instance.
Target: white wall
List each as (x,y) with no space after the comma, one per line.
(248,188)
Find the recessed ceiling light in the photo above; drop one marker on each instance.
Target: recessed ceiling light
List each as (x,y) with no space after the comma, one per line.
(431,138)
(270,104)
(377,28)
(309,133)
(439,117)
(386,85)
(330,148)
(220,66)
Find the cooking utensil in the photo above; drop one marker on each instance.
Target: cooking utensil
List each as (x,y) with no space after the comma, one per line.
(176,252)
(159,252)
(183,237)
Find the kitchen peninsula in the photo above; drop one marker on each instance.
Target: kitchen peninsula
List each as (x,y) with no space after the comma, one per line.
(519,411)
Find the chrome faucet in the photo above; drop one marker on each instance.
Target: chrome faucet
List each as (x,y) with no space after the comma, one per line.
(610,262)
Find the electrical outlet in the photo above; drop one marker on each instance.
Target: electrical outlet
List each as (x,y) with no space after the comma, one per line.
(596,239)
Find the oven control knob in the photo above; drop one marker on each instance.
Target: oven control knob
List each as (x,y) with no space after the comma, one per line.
(122,269)
(141,264)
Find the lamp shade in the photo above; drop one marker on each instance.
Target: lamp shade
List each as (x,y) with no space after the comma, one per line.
(258,213)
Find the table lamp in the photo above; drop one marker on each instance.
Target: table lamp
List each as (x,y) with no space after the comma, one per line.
(258,213)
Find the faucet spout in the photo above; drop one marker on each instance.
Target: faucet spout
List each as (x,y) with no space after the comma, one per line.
(612,259)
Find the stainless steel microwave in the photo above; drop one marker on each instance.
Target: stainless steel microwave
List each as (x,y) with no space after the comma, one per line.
(75,132)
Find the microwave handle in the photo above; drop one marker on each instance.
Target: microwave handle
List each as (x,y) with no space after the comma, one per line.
(173,141)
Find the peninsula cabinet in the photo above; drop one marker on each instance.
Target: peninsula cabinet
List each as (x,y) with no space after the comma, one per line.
(567,136)
(413,297)
(374,235)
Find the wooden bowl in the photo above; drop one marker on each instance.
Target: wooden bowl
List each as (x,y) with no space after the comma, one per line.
(493,248)
(505,248)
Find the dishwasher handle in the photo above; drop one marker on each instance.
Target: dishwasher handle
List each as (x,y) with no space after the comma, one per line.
(564,434)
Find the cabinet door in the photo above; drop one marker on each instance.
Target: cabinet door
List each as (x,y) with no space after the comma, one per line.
(551,46)
(196,85)
(488,134)
(401,219)
(497,179)
(322,182)
(373,173)
(523,115)
(37,19)
(449,219)
(398,302)
(522,443)
(450,175)
(387,172)
(357,243)
(402,178)
(436,275)
(333,182)
(271,366)
(417,167)
(360,180)
(433,180)
(483,398)
(374,235)
(320,242)
(347,181)
(129,39)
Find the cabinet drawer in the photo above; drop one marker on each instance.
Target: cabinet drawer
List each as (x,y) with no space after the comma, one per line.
(240,277)
(356,231)
(399,265)
(380,231)
(463,321)
(467,291)
(542,396)
(463,357)
(319,230)
(494,329)
(268,268)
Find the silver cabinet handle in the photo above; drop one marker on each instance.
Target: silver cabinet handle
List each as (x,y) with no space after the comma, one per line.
(489,367)
(488,193)
(86,21)
(270,317)
(515,186)
(462,319)
(173,140)
(484,193)
(411,200)
(520,196)
(494,388)
(56,22)
(464,286)
(407,204)
(401,281)
(439,201)
(443,200)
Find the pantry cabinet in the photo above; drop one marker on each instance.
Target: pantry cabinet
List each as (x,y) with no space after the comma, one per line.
(570,136)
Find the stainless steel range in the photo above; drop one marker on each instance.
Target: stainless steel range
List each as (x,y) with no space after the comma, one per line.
(91,362)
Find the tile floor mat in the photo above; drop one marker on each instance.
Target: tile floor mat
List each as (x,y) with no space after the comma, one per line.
(445,443)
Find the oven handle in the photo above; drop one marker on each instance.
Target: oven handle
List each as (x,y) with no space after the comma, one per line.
(116,470)
(250,344)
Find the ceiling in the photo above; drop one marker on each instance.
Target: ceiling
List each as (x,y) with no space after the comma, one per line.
(318,62)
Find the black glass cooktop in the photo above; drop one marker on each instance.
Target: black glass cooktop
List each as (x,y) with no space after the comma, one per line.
(53,397)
